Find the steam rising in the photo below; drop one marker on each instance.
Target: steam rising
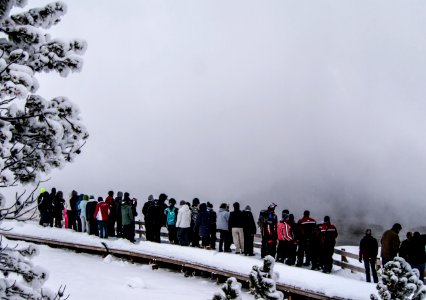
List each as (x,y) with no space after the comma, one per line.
(311,105)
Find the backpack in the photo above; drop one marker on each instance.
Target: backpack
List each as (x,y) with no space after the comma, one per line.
(171,216)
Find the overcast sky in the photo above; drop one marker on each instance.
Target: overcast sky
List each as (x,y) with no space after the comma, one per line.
(310,104)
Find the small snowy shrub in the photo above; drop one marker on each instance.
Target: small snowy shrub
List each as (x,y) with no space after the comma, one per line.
(399,281)
(230,290)
(262,281)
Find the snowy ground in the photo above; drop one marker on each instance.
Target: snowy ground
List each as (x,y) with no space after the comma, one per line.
(113,279)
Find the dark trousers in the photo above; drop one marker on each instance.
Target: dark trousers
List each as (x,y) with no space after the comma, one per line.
(281,251)
(205,241)
(291,255)
(58,220)
(248,244)
(269,247)
(103,229)
(156,233)
(304,250)
(93,227)
(128,233)
(224,241)
(195,239)
(327,258)
(111,226)
(213,239)
(72,222)
(370,263)
(148,232)
(172,234)
(183,236)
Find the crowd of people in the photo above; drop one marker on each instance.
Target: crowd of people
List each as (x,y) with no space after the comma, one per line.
(196,224)
(411,249)
(112,216)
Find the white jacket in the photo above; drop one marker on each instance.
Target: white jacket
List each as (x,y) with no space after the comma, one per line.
(184,217)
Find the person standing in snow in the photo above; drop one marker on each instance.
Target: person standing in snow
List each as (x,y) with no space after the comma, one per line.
(183,224)
(90,216)
(236,226)
(58,208)
(268,222)
(44,207)
(117,202)
(195,238)
(83,216)
(416,254)
(72,212)
(328,241)
(223,228)
(101,214)
(404,249)
(112,218)
(368,250)
(306,226)
(156,217)
(202,226)
(212,225)
(249,230)
(284,237)
(390,243)
(127,219)
(171,213)
(147,219)
(52,196)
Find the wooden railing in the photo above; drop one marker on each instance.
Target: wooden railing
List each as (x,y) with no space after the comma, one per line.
(343,262)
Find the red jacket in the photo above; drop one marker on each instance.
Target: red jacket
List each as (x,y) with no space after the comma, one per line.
(284,231)
(109,200)
(328,233)
(101,211)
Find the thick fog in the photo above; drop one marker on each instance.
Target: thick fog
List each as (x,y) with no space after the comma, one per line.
(314,105)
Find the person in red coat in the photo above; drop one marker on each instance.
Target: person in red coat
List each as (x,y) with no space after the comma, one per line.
(328,241)
(101,214)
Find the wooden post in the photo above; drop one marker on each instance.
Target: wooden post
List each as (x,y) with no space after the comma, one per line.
(140,230)
(344,258)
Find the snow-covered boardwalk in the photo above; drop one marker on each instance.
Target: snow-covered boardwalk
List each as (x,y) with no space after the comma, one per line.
(329,285)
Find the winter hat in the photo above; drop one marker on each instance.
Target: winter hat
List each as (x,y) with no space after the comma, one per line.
(272,206)
(100,199)
(42,190)
(182,202)
(120,194)
(248,208)
(209,205)
(150,198)
(195,202)
(91,197)
(85,197)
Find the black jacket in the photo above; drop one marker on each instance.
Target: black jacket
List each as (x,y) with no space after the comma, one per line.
(368,247)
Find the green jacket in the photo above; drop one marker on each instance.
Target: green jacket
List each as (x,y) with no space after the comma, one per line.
(126,214)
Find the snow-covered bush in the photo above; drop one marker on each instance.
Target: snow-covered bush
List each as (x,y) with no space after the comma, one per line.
(36,135)
(399,281)
(230,290)
(262,281)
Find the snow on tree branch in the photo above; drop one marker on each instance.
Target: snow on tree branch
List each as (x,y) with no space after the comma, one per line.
(36,134)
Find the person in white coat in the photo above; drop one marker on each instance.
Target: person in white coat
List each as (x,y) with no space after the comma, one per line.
(183,224)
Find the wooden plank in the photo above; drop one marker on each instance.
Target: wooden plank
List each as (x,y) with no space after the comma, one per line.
(191,265)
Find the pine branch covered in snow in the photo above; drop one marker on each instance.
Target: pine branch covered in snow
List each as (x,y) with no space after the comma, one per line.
(399,281)
(262,281)
(230,290)
(36,134)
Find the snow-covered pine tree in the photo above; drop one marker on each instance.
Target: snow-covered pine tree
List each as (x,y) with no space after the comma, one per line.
(36,135)
(230,290)
(262,281)
(400,281)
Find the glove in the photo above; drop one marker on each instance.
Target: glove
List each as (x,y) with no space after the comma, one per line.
(360,259)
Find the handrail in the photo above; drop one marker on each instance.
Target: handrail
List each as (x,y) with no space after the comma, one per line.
(257,244)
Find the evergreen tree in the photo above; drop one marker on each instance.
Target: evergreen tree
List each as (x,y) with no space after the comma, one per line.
(400,282)
(230,290)
(36,135)
(262,281)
